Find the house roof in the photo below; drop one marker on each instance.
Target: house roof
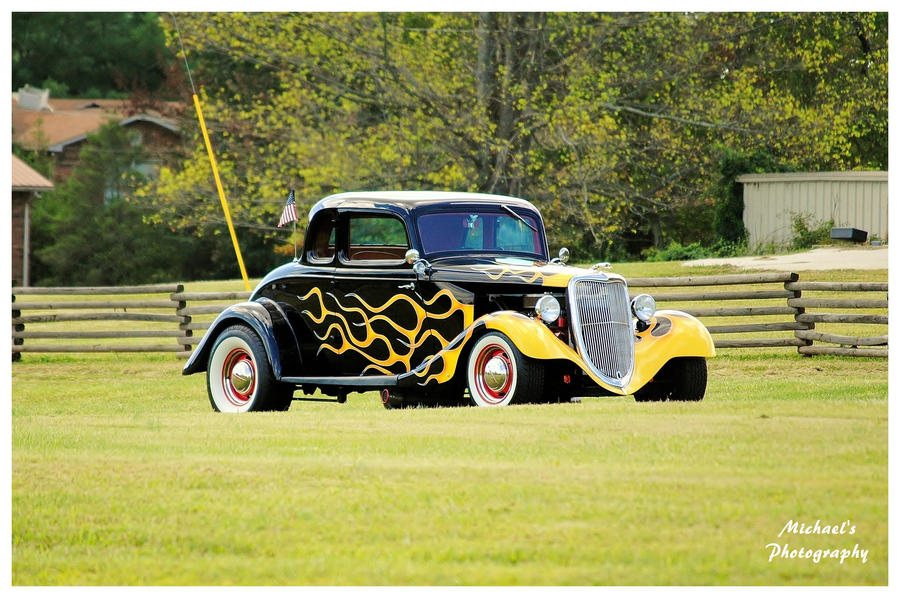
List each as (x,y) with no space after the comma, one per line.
(25,178)
(72,120)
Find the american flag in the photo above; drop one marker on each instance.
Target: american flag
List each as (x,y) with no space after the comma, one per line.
(289,214)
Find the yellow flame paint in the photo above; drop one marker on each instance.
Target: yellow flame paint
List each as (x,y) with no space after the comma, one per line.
(548,276)
(406,338)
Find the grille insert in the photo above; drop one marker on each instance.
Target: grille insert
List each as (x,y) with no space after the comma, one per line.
(601,325)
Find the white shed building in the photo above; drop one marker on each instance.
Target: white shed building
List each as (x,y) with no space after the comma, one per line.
(853,199)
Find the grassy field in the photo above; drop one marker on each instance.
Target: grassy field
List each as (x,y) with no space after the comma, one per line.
(121,474)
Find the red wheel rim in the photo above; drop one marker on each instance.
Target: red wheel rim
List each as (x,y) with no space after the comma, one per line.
(493,394)
(239,377)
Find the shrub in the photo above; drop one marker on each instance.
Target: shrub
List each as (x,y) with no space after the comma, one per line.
(728,220)
(809,232)
(676,252)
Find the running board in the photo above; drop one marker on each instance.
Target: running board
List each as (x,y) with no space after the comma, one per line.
(375,382)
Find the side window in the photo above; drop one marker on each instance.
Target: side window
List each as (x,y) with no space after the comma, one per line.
(377,238)
(322,235)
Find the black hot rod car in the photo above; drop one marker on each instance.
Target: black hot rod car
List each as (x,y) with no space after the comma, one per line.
(443,298)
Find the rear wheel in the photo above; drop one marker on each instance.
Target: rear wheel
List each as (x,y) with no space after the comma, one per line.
(681,379)
(499,374)
(238,375)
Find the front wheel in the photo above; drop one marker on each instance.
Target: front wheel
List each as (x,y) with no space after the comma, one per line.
(238,375)
(681,379)
(499,374)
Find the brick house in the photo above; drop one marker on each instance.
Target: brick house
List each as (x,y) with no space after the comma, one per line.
(27,183)
(61,126)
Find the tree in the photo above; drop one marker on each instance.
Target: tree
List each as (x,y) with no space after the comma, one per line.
(90,232)
(88,54)
(729,214)
(614,124)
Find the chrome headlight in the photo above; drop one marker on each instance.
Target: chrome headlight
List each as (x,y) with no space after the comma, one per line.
(643,307)
(547,308)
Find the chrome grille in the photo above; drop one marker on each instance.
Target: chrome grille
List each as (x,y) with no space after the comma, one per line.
(601,326)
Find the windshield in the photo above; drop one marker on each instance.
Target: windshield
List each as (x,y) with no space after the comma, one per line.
(482,231)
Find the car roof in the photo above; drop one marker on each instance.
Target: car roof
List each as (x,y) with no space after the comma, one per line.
(406,201)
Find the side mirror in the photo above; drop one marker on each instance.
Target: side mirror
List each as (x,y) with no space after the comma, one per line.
(420,266)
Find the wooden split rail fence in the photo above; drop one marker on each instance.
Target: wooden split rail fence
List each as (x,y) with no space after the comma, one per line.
(129,316)
(774,310)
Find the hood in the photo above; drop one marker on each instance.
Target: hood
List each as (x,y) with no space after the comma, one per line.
(510,270)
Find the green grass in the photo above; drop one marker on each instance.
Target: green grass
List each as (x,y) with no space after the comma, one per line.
(123,475)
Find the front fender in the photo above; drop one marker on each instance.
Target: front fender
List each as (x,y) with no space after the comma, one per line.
(530,336)
(671,334)
(267,319)
(536,341)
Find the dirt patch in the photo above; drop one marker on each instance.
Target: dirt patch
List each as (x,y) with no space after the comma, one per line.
(821,258)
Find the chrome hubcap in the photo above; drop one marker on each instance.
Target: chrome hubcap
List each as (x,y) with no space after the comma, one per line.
(496,373)
(238,377)
(242,376)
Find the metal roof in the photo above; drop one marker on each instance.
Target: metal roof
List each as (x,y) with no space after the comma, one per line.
(802,177)
(25,178)
(407,201)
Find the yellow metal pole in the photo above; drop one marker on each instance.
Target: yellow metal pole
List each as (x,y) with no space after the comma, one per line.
(212,162)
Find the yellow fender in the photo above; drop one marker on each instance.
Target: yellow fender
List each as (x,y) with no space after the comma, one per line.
(671,334)
(535,340)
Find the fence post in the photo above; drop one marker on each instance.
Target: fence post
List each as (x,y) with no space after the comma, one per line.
(16,356)
(185,320)
(799,311)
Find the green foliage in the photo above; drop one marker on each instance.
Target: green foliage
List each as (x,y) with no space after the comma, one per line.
(728,221)
(88,231)
(627,130)
(88,54)
(808,231)
(618,126)
(40,160)
(377,231)
(675,251)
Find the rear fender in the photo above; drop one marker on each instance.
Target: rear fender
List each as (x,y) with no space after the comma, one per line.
(268,320)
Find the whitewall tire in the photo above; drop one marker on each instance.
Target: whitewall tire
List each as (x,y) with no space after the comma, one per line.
(238,375)
(498,374)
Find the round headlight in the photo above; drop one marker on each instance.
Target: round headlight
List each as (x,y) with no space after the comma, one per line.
(643,307)
(547,308)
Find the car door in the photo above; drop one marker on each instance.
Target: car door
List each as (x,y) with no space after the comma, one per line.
(391,322)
